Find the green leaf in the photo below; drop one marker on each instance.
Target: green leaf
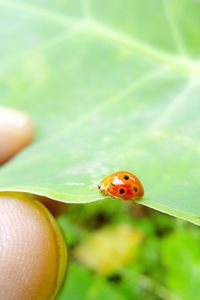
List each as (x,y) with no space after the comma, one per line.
(110,85)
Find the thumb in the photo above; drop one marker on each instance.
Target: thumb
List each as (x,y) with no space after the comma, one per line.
(32,250)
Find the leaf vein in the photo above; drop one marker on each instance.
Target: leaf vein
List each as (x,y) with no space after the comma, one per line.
(119,38)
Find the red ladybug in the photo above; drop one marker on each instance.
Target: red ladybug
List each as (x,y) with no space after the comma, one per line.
(123,184)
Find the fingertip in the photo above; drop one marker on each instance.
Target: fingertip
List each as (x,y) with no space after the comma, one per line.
(32,250)
(16,132)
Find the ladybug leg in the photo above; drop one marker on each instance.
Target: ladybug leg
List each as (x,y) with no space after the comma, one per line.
(134,204)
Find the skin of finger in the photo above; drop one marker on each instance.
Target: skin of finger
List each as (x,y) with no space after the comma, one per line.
(32,250)
(16,132)
(55,207)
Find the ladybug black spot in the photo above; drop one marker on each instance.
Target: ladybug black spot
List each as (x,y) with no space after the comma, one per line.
(126,177)
(135,189)
(122,191)
(99,186)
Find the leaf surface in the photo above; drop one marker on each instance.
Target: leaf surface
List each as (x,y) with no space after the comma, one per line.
(110,86)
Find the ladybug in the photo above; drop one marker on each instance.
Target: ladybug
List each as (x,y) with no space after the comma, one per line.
(122,184)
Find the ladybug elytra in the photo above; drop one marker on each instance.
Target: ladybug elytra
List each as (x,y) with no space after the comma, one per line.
(123,184)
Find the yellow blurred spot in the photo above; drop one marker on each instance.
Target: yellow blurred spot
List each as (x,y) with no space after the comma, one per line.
(109,249)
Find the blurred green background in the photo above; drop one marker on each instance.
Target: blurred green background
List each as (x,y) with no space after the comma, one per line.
(121,251)
(111,85)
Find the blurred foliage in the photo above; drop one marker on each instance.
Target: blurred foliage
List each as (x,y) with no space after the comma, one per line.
(108,249)
(163,263)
